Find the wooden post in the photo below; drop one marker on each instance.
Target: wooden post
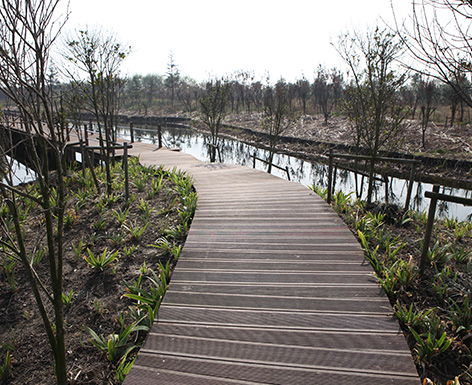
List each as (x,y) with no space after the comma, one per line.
(159,135)
(125,163)
(335,175)
(386,188)
(82,152)
(429,230)
(131,131)
(410,186)
(288,173)
(254,162)
(330,176)
(86,135)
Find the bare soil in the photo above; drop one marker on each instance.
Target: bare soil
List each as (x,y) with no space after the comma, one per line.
(98,296)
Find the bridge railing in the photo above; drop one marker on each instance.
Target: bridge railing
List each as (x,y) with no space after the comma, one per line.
(412,162)
(435,196)
(269,163)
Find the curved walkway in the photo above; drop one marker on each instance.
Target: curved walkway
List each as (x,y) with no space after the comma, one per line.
(271,288)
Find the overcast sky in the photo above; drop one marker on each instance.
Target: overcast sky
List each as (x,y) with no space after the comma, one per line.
(216,37)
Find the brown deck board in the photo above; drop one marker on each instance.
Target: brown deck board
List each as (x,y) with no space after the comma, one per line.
(271,288)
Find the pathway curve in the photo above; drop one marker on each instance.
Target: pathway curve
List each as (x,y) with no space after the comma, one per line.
(271,288)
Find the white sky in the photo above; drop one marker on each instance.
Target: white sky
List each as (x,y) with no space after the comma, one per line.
(217,37)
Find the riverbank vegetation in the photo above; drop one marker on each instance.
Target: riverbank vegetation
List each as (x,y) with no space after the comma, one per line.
(432,307)
(118,260)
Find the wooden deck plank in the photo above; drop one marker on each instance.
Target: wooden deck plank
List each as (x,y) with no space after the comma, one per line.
(196,371)
(271,288)
(287,319)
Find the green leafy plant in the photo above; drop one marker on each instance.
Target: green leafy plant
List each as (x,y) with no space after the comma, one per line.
(121,215)
(94,237)
(404,271)
(37,256)
(342,201)
(97,306)
(443,280)
(164,272)
(9,268)
(371,255)
(148,299)
(67,300)
(461,230)
(428,346)
(188,205)
(460,254)
(5,368)
(461,316)
(78,249)
(439,254)
(157,184)
(124,367)
(11,344)
(145,210)
(136,230)
(128,251)
(321,191)
(409,317)
(101,205)
(117,238)
(100,223)
(112,198)
(404,219)
(140,181)
(100,261)
(70,217)
(169,248)
(115,346)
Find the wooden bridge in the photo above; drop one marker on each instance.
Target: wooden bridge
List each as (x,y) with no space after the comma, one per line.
(271,288)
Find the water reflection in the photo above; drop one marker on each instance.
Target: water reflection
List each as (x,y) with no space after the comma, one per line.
(301,171)
(19,173)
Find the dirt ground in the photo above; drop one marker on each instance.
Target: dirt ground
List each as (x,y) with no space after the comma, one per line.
(98,296)
(454,142)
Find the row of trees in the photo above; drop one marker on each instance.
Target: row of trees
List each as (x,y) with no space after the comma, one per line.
(148,94)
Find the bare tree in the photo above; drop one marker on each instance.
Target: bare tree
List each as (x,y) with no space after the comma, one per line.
(303,92)
(213,110)
(438,37)
(428,97)
(98,56)
(372,102)
(327,89)
(278,115)
(172,80)
(28,29)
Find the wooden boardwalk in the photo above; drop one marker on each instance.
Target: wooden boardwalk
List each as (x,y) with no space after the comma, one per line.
(271,288)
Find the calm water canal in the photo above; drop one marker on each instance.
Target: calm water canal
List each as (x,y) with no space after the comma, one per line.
(301,171)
